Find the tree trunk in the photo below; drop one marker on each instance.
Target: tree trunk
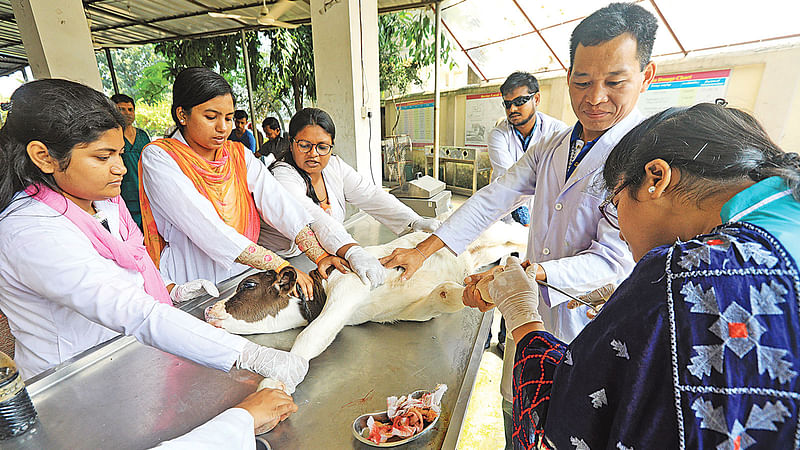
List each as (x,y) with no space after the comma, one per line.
(297,90)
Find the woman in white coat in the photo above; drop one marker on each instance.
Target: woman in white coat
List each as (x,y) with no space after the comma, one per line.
(203,197)
(324,184)
(73,270)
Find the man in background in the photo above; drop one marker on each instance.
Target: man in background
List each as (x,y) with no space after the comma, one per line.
(135,140)
(240,132)
(272,130)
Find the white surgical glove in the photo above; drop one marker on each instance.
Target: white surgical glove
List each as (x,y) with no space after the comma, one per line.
(366,266)
(276,364)
(192,289)
(596,298)
(516,295)
(425,224)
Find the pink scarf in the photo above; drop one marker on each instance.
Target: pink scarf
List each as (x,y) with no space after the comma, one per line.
(129,253)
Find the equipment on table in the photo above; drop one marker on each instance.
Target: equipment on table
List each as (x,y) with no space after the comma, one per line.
(425,195)
(464,169)
(397,163)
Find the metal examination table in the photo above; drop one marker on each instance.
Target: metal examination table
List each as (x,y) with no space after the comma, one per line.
(125,395)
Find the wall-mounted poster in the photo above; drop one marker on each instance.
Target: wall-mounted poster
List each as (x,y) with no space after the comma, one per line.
(684,89)
(416,120)
(482,112)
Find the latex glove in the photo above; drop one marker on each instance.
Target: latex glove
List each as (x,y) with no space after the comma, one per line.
(366,266)
(427,224)
(596,298)
(192,289)
(515,294)
(276,364)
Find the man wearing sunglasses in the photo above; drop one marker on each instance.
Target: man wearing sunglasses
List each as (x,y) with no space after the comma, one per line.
(522,127)
(570,244)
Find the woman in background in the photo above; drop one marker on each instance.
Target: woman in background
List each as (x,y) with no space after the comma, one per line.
(323,183)
(203,196)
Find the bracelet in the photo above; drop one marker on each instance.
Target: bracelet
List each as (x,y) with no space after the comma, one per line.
(420,252)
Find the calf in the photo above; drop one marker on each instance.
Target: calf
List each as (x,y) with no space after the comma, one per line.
(263,304)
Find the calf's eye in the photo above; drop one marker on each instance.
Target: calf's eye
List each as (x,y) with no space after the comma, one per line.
(249,284)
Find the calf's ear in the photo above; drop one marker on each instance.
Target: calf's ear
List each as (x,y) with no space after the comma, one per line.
(286,280)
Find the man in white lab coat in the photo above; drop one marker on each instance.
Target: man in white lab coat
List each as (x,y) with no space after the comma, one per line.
(571,245)
(523,126)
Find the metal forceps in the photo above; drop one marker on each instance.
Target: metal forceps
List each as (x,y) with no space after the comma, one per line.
(572,297)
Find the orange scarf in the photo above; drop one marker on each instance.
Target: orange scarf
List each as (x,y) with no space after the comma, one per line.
(222,181)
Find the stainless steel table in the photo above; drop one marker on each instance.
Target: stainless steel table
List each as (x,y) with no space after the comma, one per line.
(125,395)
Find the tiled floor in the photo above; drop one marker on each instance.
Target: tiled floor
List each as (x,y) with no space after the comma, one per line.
(483,424)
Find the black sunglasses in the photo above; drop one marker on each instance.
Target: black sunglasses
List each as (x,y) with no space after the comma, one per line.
(519,101)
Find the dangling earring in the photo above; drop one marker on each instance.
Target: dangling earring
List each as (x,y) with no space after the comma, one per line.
(651,189)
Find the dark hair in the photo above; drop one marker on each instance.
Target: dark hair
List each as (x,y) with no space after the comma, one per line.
(196,85)
(615,20)
(518,79)
(122,98)
(713,147)
(240,114)
(278,147)
(304,118)
(60,114)
(272,123)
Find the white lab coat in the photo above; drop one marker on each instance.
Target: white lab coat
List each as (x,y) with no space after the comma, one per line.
(200,243)
(232,429)
(344,185)
(578,249)
(61,297)
(505,148)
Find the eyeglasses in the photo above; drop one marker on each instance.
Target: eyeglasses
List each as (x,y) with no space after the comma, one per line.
(609,211)
(519,101)
(305,147)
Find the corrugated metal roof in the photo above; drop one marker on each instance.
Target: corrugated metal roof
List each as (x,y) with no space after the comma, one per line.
(497,36)
(121,23)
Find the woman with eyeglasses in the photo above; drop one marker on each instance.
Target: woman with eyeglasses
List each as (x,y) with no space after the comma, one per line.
(203,196)
(700,346)
(324,184)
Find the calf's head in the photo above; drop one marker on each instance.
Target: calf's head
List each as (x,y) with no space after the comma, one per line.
(263,303)
(262,294)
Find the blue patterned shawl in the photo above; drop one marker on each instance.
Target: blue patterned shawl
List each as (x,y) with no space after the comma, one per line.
(698,348)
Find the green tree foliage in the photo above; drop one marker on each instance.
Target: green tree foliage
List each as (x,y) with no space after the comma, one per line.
(406,44)
(154,118)
(291,65)
(131,65)
(153,84)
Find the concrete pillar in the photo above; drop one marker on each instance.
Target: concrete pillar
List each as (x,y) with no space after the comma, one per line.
(57,40)
(345,37)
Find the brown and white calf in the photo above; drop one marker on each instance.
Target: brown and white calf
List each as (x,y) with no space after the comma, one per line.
(263,304)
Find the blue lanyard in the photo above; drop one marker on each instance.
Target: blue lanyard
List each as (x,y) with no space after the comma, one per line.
(577,149)
(525,140)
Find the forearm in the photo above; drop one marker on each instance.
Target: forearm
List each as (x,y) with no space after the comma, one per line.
(343,250)
(260,258)
(307,242)
(522,331)
(430,245)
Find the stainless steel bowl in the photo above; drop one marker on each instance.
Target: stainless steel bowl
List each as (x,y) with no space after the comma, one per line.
(360,424)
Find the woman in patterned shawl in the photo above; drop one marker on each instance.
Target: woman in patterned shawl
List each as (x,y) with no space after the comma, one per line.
(699,347)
